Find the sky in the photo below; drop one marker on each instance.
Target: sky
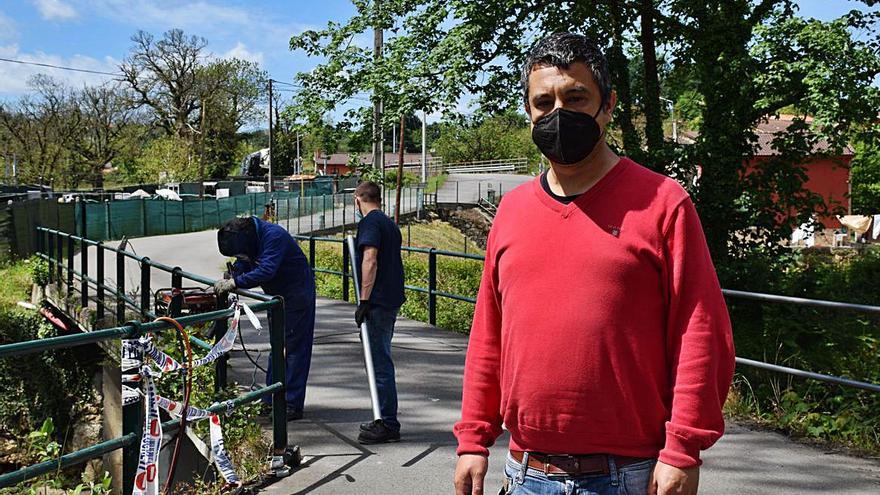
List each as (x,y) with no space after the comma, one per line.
(95,34)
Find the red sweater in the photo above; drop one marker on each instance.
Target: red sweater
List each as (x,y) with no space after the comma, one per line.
(600,326)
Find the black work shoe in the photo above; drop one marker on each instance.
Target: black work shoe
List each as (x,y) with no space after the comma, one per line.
(378,433)
(294,414)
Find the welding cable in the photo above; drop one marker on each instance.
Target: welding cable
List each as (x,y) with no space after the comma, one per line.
(181,433)
(248,354)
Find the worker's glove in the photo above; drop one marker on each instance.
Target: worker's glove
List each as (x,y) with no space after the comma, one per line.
(224,286)
(363,312)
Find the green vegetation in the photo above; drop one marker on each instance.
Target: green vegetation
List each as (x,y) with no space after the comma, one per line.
(242,433)
(45,395)
(839,343)
(15,282)
(454,275)
(435,183)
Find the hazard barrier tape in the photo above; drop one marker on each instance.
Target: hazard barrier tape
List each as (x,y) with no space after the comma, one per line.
(133,352)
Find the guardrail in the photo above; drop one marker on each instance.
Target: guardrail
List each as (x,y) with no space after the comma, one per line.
(431,290)
(433,293)
(508,165)
(58,249)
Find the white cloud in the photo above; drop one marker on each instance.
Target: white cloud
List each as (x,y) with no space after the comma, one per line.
(14,77)
(240,51)
(55,9)
(8,30)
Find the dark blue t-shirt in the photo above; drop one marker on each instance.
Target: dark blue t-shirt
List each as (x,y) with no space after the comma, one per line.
(379,231)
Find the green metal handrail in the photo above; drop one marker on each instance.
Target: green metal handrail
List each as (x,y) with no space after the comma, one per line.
(431,290)
(51,244)
(771,298)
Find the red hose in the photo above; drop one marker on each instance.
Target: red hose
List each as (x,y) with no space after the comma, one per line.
(187,389)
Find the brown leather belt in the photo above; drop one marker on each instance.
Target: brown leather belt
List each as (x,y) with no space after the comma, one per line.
(573,465)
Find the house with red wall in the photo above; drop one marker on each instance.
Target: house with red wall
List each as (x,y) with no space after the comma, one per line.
(827,175)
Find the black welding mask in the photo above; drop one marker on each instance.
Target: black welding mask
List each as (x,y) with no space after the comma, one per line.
(238,237)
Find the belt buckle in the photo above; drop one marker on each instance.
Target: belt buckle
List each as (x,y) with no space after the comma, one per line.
(573,460)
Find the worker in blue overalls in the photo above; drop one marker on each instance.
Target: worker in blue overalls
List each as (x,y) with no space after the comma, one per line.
(268,256)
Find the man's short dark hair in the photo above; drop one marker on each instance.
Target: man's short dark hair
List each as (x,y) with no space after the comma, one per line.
(369,191)
(563,49)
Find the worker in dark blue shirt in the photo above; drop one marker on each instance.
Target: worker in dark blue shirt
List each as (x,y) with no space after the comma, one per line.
(380,270)
(268,256)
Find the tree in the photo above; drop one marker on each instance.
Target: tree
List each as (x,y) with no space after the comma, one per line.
(41,129)
(163,75)
(230,92)
(492,138)
(104,131)
(866,179)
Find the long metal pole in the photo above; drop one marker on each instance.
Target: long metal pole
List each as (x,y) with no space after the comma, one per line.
(365,334)
(424,147)
(271,141)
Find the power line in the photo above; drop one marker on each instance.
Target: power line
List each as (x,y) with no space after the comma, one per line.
(276,81)
(61,67)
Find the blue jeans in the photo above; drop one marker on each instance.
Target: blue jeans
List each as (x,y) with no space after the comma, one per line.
(380,325)
(629,480)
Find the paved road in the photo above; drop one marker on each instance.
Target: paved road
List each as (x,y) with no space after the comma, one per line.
(429,365)
(468,188)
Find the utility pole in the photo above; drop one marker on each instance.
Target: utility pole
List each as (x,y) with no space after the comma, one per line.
(270,135)
(298,159)
(399,171)
(424,148)
(378,151)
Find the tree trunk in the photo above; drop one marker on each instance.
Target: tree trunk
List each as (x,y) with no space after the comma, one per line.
(653,118)
(619,65)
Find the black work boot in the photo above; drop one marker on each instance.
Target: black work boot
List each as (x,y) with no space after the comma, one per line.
(377,432)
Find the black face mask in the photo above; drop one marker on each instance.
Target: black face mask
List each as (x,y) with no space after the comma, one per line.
(565,136)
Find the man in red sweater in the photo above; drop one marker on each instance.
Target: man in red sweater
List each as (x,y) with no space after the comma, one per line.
(600,339)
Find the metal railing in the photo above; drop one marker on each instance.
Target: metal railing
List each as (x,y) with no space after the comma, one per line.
(433,293)
(431,290)
(58,249)
(507,165)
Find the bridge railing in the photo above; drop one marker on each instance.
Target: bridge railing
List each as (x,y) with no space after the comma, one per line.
(58,249)
(507,165)
(433,294)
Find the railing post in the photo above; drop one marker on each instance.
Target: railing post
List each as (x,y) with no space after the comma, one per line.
(456,192)
(69,269)
(50,254)
(132,422)
(279,403)
(432,286)
(99,260)
(120,287)
(312,252)
(59,255)
(221,329)
(146,292)
(84,268)
(344,272)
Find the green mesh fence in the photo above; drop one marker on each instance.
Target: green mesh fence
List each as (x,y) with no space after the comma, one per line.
(112,220)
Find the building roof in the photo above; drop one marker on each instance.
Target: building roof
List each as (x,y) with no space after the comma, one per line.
(766,131)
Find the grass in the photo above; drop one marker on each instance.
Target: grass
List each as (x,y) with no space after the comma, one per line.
(15,283)
(437,234)
(435,183)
